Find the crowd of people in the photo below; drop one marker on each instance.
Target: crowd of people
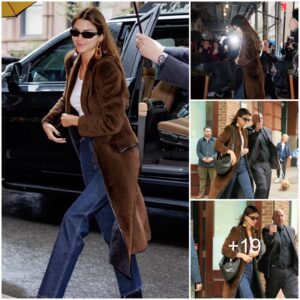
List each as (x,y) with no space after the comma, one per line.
(224,60)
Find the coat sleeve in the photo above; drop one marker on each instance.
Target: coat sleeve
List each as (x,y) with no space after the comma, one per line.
(223,139)
(288,150)
(199,153)
(180,53)
(175,72)
(55,113)
(108,91)
(233,237)
(195,272)
(246,51)
(268,239)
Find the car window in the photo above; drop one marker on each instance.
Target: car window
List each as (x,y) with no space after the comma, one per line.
(50,66)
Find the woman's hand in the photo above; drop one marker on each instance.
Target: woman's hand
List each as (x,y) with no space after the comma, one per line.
(51,131)
(245,257)
(244,151)
(233,157)
(68,120)
(237,60)
(254,253)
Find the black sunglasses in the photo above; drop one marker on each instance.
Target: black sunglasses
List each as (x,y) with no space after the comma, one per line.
(84,34)
(253,218)
(246,119)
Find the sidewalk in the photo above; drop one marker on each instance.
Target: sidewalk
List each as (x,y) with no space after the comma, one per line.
(292,192)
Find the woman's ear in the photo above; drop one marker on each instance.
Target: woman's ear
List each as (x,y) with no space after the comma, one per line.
(101,38)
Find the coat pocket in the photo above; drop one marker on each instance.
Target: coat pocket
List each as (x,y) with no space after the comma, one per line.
(125,143)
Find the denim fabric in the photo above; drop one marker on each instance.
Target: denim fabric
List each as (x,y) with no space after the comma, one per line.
(245,283)
(243,177)
(93,202)
(239,93)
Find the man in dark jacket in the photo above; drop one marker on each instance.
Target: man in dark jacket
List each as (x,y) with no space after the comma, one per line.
(267,61)
(280,261)
(262,156)
(284,153)
(207,154)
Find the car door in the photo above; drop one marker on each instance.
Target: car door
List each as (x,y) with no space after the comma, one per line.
(132,60)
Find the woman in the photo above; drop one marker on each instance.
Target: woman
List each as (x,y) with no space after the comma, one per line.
(248,59)
(250,247)
(234,141)
(109,157)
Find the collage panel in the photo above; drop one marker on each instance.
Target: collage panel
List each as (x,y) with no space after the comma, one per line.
(260,238)
(244,50)
(95,164)
(265,165)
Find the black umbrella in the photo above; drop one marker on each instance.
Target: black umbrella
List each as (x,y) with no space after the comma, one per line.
(137,17)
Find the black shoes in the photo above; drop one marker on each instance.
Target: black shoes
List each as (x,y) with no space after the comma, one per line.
(137,294)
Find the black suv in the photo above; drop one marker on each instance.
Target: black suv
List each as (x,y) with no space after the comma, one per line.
(31,86)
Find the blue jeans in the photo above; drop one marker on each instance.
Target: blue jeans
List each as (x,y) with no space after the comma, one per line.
(239,93)
(246,281)
(242,175)
(93,202)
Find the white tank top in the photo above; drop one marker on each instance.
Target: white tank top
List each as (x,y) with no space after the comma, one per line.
(75,97)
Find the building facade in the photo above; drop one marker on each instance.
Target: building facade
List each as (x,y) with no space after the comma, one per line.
(44,20)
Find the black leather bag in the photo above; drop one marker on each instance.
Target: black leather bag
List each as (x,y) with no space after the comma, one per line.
(223,162)
(229,267)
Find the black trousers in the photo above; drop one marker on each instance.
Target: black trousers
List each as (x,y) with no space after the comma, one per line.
(285,279)
(262,174)
(283,164)
(270,87)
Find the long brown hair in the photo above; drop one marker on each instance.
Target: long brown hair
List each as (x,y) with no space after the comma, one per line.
(250,209)
(93,15)
(241,112)
(241,22)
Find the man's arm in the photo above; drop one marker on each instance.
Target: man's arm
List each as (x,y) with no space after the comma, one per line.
(174,71)
(180,53)
(268,239)
(199,153)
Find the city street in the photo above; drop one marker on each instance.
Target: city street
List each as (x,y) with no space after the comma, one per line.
(292,192)
(29,228)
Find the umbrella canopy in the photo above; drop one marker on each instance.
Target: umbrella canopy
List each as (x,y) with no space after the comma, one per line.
(13,9)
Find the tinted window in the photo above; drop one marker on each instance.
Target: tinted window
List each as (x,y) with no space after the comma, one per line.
(50,66)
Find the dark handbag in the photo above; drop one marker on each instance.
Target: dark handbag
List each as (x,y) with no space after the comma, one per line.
(229,267)
(223,162)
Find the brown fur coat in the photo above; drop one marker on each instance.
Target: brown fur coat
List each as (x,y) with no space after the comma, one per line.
(104,102)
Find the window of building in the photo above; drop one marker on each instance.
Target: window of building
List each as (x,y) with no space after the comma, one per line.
(32,20)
